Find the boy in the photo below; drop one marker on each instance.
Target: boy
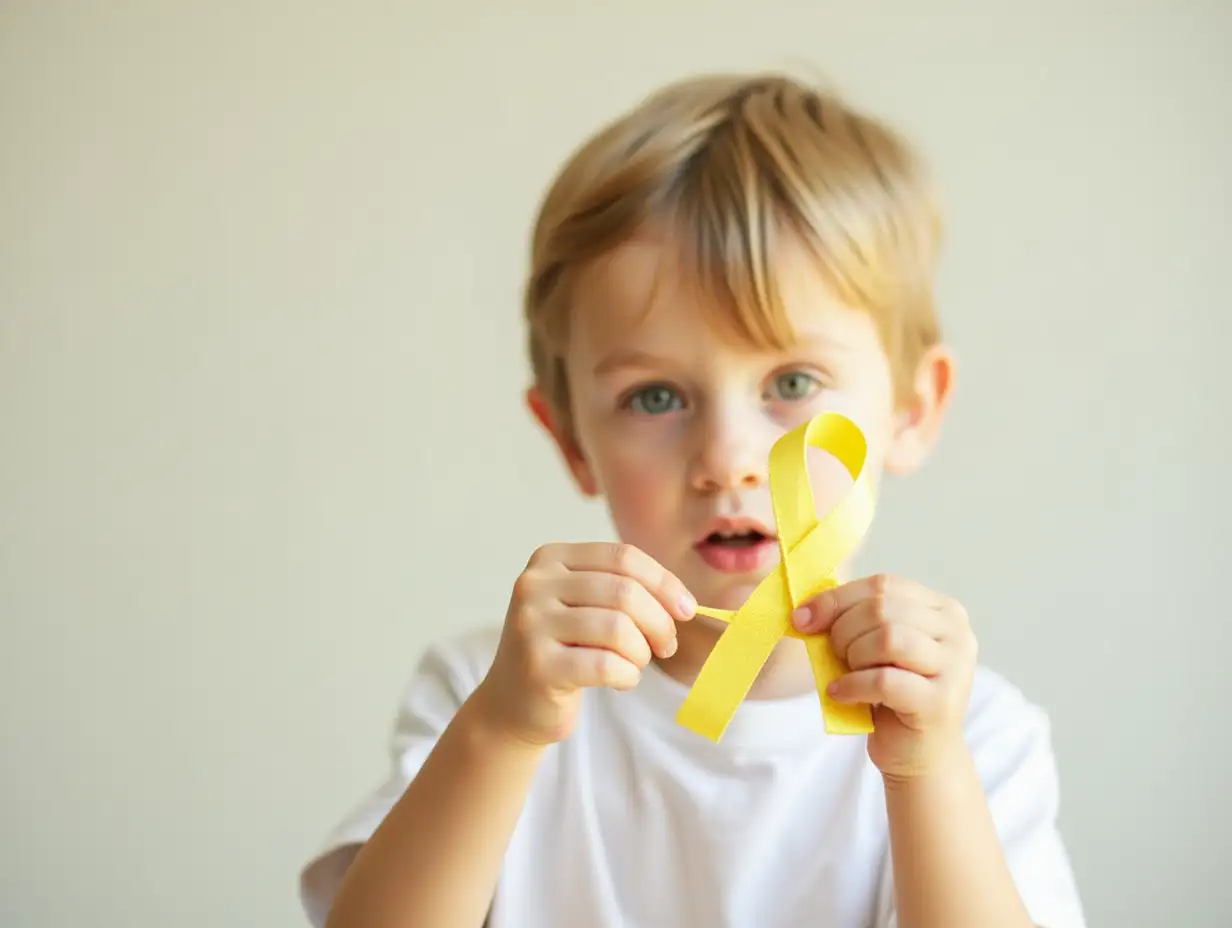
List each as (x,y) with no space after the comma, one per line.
(728,259)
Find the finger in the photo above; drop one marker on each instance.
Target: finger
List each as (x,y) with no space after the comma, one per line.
(628,561)
(870,615)
(897,689)
(626,595)
(819,613)
(593,667)
(591,627)
(896,646)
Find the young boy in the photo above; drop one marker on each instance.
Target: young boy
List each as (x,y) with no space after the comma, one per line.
(727,260)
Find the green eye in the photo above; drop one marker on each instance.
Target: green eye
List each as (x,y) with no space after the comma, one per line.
(654,400)
(794,385)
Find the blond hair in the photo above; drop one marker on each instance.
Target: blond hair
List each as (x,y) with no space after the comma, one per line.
(734,162)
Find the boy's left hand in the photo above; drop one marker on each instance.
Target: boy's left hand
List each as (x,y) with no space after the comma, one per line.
(912,656)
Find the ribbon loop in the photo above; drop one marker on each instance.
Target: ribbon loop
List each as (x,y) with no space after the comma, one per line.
(810,554)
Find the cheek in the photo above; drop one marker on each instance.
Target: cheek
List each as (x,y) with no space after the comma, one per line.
(643,492)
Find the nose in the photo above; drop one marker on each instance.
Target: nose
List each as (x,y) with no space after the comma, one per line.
(729,456)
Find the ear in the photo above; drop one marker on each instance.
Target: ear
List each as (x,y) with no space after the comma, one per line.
(917,424)
(568,447)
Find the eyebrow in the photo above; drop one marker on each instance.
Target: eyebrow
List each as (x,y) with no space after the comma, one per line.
(629,358)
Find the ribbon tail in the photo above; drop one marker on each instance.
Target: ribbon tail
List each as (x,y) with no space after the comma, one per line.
(840,718)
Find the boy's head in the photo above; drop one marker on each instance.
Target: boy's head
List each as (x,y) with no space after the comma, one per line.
(710,270)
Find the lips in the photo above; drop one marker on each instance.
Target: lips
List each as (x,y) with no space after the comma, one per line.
(736,545)
(728,527)
(744,539)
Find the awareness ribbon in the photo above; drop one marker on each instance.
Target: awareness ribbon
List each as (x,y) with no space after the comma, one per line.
(810,553)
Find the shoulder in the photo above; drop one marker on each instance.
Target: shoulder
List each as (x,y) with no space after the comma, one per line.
(999,712)
(460,659)
(995,699)
(1010,739)
(447,672)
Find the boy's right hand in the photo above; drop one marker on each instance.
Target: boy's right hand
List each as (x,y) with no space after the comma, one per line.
(580,615)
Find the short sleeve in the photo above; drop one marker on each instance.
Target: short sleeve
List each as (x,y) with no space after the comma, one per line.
(1022,783)
(1011,743)
(444,678)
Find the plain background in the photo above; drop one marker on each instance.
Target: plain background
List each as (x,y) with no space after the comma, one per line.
(262,436)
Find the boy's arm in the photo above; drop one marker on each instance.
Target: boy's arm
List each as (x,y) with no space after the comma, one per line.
(581,615)
(911,655)
(436,857)
(949,866)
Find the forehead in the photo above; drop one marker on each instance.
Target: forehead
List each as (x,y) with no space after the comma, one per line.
(648,290)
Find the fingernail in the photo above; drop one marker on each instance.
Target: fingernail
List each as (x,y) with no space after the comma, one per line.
(688,605)
(800,618)
(669,649)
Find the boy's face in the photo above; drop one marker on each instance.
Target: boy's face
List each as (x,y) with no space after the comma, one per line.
(673,421)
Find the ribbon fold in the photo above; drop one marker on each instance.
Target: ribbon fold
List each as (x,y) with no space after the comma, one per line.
(810,553)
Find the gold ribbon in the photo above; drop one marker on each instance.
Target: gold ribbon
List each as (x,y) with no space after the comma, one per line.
(811,552)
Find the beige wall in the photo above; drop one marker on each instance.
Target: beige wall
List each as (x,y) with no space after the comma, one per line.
(253,255)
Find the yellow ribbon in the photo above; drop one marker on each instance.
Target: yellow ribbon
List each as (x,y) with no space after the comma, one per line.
(811,552)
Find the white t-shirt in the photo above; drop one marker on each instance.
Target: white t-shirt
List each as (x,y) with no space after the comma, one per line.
(636,822)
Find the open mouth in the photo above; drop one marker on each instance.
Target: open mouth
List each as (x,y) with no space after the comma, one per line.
(738,549)
(736,539)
